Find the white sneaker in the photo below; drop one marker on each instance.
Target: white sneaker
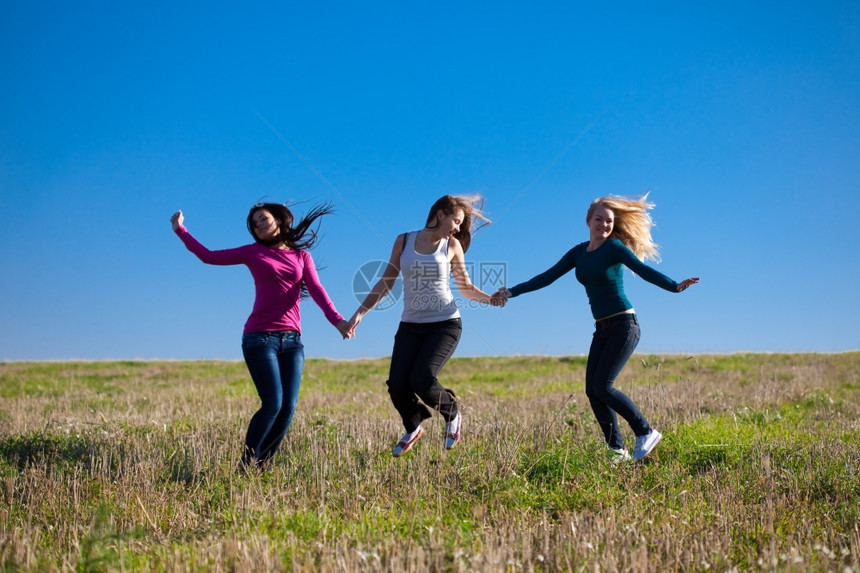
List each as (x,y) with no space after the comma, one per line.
(646,443)
(452,432)
(618,455)
(406,442)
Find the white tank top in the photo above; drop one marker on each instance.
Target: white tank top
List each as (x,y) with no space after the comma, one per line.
(427,293)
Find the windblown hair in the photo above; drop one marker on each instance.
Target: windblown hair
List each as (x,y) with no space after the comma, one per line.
(473,218)
(632,223)
(297,237)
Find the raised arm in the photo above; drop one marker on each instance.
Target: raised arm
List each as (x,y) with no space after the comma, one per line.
(382,287)
(223,257)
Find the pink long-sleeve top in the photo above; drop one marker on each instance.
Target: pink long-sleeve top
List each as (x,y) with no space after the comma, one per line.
(278,276)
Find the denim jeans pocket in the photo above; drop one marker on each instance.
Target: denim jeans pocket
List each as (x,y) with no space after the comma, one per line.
(293,339)
(255,339)
(634,333)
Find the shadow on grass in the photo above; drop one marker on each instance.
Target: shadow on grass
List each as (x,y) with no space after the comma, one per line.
(61,451)
(44,448)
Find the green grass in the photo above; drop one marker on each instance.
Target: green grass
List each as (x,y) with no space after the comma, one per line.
(132,466)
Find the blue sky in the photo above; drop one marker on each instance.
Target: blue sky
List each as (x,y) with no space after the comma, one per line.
(742,120)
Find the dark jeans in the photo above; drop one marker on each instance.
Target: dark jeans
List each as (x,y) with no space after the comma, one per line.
(611,346)
(275,361)
(420,351)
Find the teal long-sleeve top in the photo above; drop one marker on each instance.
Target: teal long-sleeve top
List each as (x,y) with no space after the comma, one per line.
(601,273)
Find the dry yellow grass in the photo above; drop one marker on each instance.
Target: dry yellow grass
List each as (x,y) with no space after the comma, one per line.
(131,466)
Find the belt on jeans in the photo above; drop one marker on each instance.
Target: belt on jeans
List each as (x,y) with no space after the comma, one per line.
(608,322)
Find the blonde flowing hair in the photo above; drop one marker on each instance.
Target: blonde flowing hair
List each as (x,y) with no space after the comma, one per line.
(632,223)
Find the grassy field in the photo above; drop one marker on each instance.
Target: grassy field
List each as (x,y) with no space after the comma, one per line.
(132,466)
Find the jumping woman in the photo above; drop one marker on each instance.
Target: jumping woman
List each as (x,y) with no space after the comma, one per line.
(619,236)
(430,325)
(271,342)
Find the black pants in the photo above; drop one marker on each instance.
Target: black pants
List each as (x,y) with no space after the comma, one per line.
(420,352)
(613,343)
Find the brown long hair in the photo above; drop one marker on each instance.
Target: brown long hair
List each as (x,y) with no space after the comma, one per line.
(471,205)
(297,237)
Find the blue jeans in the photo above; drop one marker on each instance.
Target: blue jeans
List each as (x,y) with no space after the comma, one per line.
(611,346)
(275,361)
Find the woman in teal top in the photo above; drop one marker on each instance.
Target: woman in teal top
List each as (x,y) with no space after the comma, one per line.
(619,236)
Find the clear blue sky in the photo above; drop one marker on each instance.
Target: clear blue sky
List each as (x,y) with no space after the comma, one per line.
(741,119)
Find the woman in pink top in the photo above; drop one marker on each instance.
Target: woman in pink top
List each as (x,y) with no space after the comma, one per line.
(271,341)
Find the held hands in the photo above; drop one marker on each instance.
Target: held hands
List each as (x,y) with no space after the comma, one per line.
(685,284)
(353,322)
(177,220)
(345,330)
(500,297)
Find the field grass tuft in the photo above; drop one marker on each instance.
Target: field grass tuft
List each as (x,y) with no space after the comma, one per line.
(122,466)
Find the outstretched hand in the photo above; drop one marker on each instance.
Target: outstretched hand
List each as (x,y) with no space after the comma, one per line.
(685,284)
(177,220)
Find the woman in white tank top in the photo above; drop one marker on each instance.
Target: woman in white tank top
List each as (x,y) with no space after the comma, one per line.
(430,324)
